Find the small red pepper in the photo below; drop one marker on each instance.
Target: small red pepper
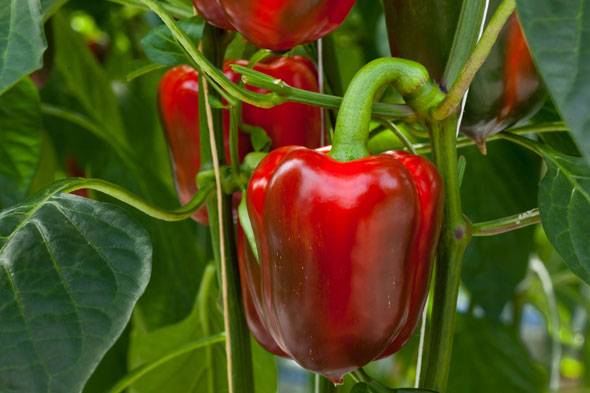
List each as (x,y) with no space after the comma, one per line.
(277,25)
(345,241)
(285,124)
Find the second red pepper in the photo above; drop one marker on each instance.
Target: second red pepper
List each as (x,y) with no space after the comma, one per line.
(287,124)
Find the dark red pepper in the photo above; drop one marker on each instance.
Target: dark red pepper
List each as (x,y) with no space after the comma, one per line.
(345,254)
(345,240)
(506,90)
(285,124)
(276,24)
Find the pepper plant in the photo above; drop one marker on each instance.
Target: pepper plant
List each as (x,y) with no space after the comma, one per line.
(295,196)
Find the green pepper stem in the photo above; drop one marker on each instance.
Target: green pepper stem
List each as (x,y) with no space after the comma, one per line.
(410,79)
(476,60)
(455,236)
(507,224)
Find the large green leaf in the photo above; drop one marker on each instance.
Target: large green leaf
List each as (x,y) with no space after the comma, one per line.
(558,33)
(20,141)
(564,200)
(22,41)
(501,184)
(72,270)
(489,357)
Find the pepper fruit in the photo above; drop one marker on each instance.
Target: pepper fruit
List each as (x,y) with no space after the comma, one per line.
(345,240)
(285,124)
(506,90)
(276,25)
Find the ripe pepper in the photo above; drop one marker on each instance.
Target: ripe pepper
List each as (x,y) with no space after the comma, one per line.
(345,240)
(507,88)
(285,124)
(276,25)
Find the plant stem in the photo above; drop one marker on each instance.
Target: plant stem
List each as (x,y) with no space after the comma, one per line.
(238,352)
(399,134)
(292,94)
(462,142)
(507,224)
(174,10)
(476,60)
(455,236)
(123,195)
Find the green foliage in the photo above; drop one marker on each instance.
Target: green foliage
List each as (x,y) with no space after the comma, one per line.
(73,270)
(564,200)
(490,357)
(161,47)
(22,41)
(557,33)
(20,141)
(500,184)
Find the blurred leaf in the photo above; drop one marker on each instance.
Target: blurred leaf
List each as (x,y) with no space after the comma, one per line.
(85,82)
(50,7)
(501,184)
(20,141)
(556,32)
(112,367)
(564,201)
(199,371)
(22,40)
(376,388)
(488,357)
(161,47)
(73,270)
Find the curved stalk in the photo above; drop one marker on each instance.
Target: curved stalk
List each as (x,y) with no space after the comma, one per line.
(125,196)
(410,79)
(507,224)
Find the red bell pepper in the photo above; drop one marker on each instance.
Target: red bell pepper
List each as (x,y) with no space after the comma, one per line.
(285,124)
(276,24)
(345,241)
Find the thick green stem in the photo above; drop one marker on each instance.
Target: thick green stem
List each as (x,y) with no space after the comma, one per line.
(455,236)
(410,79)
(507,224)
(476,60)
(238,352)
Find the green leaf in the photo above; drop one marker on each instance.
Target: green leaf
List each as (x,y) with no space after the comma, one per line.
(201,371)
(22,40)
(50,7)
(498,185)
(374,387)
(564,201)
(161,47)
(20,141)
(557,33)
(72,271)
(489,357)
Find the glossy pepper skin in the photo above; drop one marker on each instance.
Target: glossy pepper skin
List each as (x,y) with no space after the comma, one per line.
(345,253)
(507,88)
(277,24)
(285,124)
